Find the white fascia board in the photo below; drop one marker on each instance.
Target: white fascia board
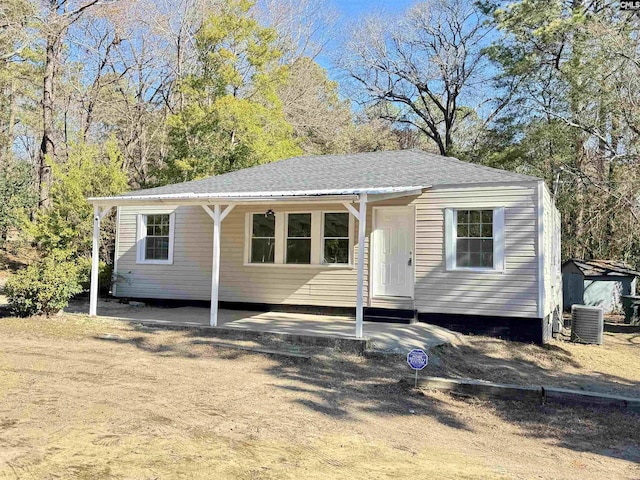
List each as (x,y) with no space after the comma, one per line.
(208,200)
(378,197)
(294,195)
(506,183)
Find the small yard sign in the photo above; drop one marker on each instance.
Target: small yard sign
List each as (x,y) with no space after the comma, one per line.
(417,359)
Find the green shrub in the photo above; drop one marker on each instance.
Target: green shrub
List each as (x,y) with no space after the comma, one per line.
(105,274)
(44,287)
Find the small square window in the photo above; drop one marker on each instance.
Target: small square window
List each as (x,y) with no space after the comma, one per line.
(299,225)
(155,240)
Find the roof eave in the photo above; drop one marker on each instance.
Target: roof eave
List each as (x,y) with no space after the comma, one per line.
(324,196)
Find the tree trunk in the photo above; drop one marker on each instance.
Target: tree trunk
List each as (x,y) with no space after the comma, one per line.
(47,145)
(580,227)
(12,117)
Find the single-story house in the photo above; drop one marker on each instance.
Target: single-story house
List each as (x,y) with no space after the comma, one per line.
(456,244)
(598,283)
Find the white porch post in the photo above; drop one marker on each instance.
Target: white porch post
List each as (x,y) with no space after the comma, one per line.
(362,224)
(217,217)
(361,216)
(93,292)
(215,268)
(98,215)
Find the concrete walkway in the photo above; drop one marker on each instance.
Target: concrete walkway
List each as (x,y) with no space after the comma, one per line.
(388,337)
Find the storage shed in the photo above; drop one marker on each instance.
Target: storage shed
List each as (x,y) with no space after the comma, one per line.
(599,283)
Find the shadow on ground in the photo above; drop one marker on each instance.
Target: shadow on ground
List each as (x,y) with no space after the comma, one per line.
(342,386)
(527,364)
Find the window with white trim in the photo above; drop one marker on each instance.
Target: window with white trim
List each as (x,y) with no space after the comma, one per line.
(335,238)
(263,238)
(298,241)
(155,238)
(474,239)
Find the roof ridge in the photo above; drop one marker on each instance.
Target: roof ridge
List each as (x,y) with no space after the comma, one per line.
(353,154)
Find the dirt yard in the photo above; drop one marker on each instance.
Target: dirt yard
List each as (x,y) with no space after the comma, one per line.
(84,398)
(613,367)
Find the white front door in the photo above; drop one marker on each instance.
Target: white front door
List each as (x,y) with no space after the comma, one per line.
(393,252)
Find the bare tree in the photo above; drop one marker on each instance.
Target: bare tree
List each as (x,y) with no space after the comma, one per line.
(15,16)
(134,57)
(15,36)
(171,27)
(58,16)
(423,66)
(312,106)
(304,27)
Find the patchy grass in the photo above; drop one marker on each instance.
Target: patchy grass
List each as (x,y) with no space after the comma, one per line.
(613,367)
(84,398)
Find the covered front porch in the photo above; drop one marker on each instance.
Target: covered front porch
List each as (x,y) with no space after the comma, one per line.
(386,337)
(215,209)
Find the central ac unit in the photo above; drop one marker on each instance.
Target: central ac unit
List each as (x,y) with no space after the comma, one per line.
(587,324)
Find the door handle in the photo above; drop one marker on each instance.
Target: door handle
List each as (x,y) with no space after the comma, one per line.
(410,262)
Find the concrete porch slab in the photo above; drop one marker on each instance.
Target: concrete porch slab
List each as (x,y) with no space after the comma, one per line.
(324,330)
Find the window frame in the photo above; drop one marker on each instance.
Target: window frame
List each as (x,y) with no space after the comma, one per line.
(287,237)
(250,240)
(349,237)
(317,241)
(469,237)
(451,237)
(141,238)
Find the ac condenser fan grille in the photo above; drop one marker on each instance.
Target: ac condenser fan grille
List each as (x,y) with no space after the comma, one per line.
(587,324)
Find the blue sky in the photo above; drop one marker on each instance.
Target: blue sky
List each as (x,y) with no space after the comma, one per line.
(351,9)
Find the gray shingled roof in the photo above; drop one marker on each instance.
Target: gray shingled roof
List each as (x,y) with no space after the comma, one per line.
(360,171)
(598,268)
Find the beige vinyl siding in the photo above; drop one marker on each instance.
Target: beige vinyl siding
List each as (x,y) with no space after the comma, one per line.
(512,293)
(188,278)
(286,284)
(190,275)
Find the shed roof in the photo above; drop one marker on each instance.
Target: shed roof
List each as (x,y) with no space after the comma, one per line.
(339,174)
(599,268)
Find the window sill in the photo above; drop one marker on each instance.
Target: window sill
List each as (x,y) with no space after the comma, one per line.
(154,262)
(475,270)
(317,266)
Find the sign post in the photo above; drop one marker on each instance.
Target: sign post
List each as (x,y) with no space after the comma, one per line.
(417,359)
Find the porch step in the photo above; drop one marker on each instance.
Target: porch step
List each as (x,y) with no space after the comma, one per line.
(344,343)
(382,319)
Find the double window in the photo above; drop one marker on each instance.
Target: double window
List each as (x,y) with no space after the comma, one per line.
(474,239)
(155,238)
(305,238)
